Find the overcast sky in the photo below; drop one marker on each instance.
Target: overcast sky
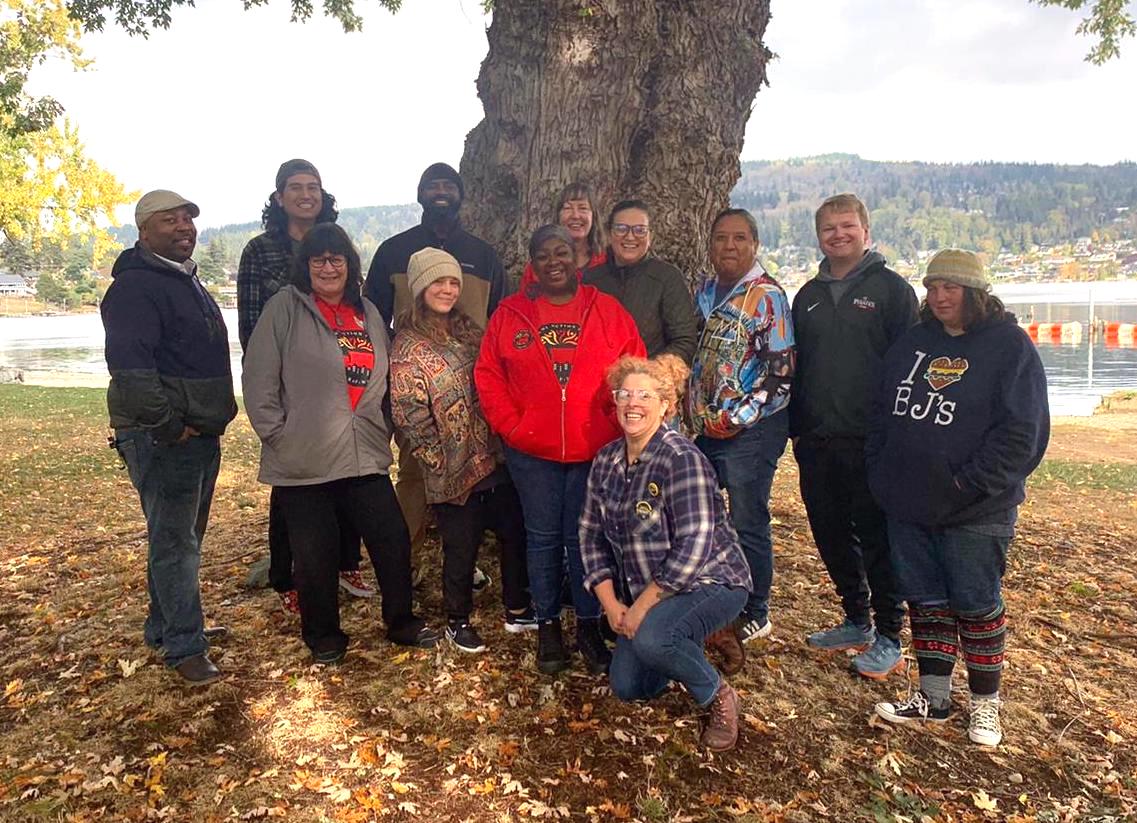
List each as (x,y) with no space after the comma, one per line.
(212,106)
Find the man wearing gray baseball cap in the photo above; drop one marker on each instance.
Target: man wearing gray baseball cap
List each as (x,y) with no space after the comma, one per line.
(170,399)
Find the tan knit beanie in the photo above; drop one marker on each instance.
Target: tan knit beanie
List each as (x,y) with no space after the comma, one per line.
(428,265)
(957,266)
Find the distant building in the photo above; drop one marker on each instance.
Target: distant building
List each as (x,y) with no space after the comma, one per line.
(13,285)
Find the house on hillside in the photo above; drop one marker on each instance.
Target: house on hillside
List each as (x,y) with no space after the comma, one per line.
(13,285)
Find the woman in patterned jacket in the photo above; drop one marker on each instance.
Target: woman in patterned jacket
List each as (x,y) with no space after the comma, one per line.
(436,409)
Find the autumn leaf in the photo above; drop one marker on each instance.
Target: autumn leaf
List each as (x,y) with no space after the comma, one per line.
(982,801)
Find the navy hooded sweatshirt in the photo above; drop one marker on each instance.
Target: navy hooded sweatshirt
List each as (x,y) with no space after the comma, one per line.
(959,424)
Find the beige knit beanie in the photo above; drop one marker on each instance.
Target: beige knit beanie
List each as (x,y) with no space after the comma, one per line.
(428,265)
(957,266)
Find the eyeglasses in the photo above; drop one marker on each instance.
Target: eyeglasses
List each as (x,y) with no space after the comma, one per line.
(336,261)
(623,229)
(623,396)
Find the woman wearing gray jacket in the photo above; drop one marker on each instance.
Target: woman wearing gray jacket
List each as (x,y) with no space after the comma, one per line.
(315,381)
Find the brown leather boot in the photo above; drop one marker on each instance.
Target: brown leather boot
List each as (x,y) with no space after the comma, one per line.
(721,731)
(728,648)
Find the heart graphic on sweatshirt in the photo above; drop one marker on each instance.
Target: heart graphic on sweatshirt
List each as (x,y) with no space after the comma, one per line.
(943,371)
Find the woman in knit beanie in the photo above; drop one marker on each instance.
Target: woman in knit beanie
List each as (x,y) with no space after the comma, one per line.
(962,420)
(435,407)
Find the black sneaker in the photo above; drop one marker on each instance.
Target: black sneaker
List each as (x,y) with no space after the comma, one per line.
(551,654)
(481,581)
(329,657)
(465,636)
(916,709)
(525,621)
(591,646)
(424,637)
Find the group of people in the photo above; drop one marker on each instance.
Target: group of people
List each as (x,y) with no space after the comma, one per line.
(591,421)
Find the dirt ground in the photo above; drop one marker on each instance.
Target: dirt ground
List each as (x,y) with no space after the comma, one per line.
(92,726)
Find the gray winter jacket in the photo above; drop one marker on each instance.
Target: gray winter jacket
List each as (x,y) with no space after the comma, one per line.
(296,396)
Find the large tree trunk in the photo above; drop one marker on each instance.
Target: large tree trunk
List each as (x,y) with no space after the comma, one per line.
(638,98)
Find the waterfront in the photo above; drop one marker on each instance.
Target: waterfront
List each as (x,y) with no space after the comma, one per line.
(67,350)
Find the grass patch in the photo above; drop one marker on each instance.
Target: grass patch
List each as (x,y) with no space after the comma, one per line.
(1120,477)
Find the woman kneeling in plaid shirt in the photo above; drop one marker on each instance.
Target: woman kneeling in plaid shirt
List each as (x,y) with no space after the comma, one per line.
(658,550)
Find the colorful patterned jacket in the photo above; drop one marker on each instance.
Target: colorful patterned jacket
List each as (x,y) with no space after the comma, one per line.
(744,363)
(435,406)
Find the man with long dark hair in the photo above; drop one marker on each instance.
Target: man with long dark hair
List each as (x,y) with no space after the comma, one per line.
(297,203)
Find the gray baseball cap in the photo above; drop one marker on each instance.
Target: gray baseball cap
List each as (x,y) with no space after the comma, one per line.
(161,200)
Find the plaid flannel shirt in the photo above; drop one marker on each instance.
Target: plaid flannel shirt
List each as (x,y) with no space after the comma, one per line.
(661,518)
(263,270)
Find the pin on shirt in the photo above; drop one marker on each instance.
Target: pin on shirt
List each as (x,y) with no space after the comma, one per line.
(644,509)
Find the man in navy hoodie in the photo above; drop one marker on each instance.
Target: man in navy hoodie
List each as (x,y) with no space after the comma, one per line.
(170,399)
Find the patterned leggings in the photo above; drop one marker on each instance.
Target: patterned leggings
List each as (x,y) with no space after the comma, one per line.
(938,633)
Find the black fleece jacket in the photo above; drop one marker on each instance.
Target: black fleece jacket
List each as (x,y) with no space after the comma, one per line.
(841,346)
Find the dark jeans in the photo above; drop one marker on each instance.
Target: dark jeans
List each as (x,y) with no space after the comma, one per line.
(745,466)
(552,499)
(280,550)
(175,485)
(313,512)
(669,645)
(961,567)
(461,527)
(850,531)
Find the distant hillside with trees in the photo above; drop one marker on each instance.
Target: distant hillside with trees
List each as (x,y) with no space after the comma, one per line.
(990,207)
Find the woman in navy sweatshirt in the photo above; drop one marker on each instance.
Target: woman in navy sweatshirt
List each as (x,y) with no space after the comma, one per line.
(961,421)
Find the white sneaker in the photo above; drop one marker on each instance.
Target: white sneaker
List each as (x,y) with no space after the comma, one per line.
(985,727)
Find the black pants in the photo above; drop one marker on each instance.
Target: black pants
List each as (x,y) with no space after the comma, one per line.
(313,513)
(461,528)
(850,530)
(280,550)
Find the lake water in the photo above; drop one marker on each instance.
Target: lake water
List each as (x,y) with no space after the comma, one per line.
(69,349)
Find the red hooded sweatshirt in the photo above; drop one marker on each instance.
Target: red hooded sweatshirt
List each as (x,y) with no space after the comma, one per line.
(521,397)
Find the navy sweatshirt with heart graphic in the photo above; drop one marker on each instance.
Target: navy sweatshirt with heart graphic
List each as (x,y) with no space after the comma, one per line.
(958,425)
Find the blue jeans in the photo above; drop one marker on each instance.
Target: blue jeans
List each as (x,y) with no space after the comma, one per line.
(745,467)
(669,645)
(958,566)
(175,485)
(552,499)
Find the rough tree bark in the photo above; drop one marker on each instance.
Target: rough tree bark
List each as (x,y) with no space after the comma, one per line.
(643,98)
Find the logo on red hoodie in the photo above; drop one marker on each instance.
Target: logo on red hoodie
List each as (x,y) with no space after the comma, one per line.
(523,339)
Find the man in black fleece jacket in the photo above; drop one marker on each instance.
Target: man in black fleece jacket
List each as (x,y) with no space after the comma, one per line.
(845,319)
(170,399)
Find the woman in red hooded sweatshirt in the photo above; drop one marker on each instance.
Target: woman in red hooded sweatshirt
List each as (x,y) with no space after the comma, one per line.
(540,377)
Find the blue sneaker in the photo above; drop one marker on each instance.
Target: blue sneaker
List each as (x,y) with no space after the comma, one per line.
(839,638)
(881,660)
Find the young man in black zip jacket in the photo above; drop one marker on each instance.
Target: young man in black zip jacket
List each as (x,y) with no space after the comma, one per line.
(845,319)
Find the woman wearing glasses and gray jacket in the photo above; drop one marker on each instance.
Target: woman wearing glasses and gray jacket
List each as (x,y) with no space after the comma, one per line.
(315,382)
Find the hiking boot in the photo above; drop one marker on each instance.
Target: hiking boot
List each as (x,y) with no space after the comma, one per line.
(848,635)
(551,654)
(465,636)
(517,622)
(721,731)
(915,709)
(729,649)
(753,628)
(290,602)
(481,581)
(984,727)
(198,670)
(881,660)
(352,582)
(591,645)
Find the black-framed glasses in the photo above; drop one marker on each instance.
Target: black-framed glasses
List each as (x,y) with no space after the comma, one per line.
(622,396)
(336,261)
(623,230)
